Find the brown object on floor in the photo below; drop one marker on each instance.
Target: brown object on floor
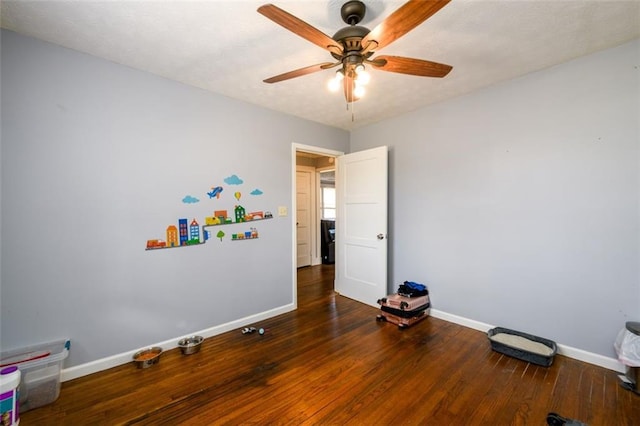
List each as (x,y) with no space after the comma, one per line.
(331,362)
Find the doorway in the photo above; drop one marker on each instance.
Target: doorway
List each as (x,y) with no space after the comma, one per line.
(314,207)
(361,213)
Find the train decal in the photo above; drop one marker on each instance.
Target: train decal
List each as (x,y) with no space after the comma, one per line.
(247,235)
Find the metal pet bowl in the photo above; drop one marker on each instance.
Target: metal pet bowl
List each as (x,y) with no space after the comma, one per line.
(190,345)
(147,357)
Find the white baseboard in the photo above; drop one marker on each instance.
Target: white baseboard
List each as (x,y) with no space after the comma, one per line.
(591,358)
(568,351)
(476,325)
(126,357)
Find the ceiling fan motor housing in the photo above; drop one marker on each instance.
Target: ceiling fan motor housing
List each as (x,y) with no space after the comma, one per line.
(350,37)
(352,12)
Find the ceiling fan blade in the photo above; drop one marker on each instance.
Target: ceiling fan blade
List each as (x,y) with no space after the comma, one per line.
(349,85)
(300,27)
(411,66)
(300,72)
(400,22)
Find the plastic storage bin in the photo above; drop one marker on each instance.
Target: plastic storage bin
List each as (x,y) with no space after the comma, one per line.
(40,367)
(9,382)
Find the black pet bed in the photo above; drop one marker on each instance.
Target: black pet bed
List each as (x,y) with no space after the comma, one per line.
(523,346)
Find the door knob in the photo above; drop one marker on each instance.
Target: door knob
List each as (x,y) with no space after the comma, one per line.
(381,236)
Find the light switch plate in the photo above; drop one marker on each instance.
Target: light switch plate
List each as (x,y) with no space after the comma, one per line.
(282,211)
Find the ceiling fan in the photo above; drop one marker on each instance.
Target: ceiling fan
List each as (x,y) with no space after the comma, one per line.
(353,46)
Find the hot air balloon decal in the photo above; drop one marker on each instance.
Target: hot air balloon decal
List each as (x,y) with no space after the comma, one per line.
(237,194)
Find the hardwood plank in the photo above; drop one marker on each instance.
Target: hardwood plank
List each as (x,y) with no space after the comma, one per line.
(331,362)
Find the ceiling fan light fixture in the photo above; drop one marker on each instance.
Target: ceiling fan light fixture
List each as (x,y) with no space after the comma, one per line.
(363,77)
(358,90)
(335,82)
(333,85)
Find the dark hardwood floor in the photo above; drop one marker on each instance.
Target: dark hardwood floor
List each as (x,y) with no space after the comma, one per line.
(331,363)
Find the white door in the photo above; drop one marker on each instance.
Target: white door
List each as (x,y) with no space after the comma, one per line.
(361,225)
(303,217)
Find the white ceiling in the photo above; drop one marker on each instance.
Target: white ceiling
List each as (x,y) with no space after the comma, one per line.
(227,47)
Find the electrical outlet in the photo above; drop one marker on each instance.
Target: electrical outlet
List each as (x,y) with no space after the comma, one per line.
(282,211)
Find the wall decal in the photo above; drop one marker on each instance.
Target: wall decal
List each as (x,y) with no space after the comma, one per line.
(239,213)
(186,234)
(219,218)
(172,236)
(156,244)
(215,192)
(252,234)
(233,180)
(190,233)
(190,200)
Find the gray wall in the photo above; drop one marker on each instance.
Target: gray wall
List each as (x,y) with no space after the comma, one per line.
(519,204)
(96,159)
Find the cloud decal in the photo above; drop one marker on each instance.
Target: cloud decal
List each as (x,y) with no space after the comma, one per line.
(190,200)
(256,192)
(233,180)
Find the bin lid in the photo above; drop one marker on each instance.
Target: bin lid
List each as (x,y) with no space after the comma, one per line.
(31,356)
(24,357)
(634,327)
(8,370)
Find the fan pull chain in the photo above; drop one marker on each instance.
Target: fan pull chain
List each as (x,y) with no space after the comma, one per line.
(351,109)
(351,97)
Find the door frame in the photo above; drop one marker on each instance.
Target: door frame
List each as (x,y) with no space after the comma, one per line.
(296,147)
